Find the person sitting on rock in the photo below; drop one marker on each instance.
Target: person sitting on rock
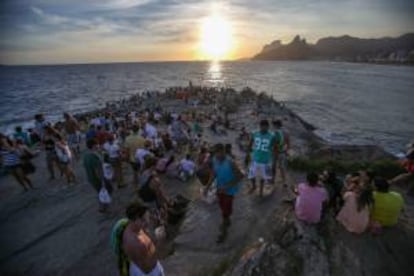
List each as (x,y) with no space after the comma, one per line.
(334,187)
(142,153)
(186,168)
(408,164)
(355,213)
(310,199)
(387,204)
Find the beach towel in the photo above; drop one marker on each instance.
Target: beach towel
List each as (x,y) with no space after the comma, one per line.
(116,245)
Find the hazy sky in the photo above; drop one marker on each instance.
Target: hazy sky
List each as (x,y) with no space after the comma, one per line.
(80,31)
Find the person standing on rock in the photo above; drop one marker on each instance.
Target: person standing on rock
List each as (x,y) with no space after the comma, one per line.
(133,142)
(138,247)
(281,147)
(93,166)
(261,145)
(228,177)
(72,129)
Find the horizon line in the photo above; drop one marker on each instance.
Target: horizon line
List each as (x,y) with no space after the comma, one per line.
(192,60)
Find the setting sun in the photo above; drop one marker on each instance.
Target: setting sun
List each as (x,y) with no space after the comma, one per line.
(216,41)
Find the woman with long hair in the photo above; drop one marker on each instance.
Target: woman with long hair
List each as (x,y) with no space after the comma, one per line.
(355,212)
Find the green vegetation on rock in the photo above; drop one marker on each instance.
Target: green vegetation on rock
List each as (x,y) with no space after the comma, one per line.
(383,168)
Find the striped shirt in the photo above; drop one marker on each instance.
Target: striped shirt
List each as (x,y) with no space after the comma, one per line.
(10,158)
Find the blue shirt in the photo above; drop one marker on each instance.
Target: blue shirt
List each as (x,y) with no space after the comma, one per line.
(90,134)
(223,171)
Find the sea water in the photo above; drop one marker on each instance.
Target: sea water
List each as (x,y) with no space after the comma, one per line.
(347,102)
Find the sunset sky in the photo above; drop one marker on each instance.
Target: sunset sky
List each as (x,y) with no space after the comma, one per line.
(82,31)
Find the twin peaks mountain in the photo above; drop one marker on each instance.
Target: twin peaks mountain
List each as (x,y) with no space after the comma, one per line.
(345,48)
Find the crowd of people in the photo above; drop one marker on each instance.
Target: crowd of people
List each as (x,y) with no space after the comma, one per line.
(154,141)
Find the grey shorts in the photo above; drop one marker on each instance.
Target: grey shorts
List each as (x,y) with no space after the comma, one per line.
(281,160)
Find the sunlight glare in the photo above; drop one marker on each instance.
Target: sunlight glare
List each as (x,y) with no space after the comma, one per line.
(216,38)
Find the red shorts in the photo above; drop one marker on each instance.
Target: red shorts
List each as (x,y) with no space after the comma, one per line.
(226,204)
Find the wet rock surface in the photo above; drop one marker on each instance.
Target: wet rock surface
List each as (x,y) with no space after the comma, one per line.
(57,230)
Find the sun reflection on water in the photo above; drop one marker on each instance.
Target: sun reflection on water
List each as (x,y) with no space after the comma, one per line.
(214,72)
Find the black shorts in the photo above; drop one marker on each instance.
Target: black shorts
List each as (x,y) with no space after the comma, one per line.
(135,166)
(115,161)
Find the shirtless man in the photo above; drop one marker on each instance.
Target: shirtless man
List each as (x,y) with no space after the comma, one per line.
(138,246)
(71,129)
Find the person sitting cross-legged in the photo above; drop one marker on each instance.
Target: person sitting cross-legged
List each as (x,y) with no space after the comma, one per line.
(310,199)
(387,204)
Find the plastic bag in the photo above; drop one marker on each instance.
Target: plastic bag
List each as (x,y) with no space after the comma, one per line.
(210,197)
(104,196)
(160,233)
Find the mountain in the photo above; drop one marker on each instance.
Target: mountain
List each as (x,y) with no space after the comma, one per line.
(296,50)
(347,48)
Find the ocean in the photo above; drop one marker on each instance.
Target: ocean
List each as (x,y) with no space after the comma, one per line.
(348,102)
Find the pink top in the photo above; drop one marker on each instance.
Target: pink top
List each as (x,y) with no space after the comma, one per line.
(350,218)
(308,205)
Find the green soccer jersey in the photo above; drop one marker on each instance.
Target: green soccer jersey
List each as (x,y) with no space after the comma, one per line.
(263,144)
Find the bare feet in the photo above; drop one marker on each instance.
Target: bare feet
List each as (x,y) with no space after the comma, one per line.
(252,189)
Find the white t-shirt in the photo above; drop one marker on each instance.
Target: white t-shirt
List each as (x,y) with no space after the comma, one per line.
(157,116)
(187,165)
(150,131)
(108,171)
(140,155)
(96,121)
(112,149)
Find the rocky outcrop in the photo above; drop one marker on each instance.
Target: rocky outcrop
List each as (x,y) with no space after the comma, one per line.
(299,249)
(297,49)
(272,46)
(345,47)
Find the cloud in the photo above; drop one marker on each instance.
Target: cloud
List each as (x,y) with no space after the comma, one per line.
(161,25)
(123,4)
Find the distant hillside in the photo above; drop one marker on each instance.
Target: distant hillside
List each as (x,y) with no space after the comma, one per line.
(345,48)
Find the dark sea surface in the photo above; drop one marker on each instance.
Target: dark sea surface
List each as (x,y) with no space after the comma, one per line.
(347,102)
